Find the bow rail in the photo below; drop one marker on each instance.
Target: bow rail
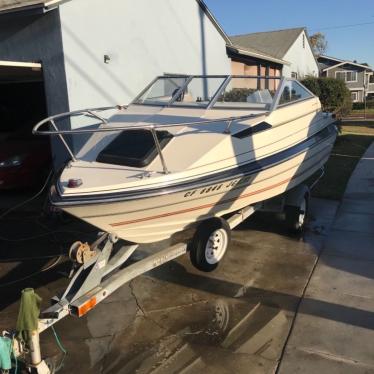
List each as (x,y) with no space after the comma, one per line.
(152,127)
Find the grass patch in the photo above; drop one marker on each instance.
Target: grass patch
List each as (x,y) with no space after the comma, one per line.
(349,147)
(361,111)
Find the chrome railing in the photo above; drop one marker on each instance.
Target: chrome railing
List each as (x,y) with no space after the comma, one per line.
(152,127)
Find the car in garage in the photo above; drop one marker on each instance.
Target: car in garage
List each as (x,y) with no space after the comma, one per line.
(25,160)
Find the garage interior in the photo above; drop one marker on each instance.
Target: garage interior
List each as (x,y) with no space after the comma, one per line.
(24,159)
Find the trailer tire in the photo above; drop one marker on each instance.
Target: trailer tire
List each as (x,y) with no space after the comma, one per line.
(296,216)
(210,243)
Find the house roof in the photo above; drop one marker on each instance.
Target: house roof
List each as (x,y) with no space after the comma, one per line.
(272,43)
(340,62)
(334,59)
(251,52)
(7,6)
(213,19)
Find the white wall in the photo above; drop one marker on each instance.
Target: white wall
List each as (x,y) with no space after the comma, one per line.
(143,39)
(302,60)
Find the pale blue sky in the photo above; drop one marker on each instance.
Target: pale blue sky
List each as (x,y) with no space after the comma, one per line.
(327,16)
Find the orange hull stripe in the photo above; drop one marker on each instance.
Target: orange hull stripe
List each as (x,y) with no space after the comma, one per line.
(199,207)
(123,223)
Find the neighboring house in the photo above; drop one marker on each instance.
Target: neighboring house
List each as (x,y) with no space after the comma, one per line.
(93,53)
(248,61)
(287,51)
(358,78)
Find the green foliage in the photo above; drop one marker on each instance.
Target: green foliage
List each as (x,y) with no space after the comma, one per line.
(237,95)
(333,93)
(312,84)
(361,106)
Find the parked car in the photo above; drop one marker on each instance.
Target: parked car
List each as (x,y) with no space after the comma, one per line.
(24,160)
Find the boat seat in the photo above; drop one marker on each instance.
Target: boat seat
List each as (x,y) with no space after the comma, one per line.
(134,148)
(188,98)
(260,97)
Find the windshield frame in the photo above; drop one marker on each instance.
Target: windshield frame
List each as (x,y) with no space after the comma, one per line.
(226,80)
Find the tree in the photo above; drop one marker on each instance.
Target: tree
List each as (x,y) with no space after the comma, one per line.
(319,43)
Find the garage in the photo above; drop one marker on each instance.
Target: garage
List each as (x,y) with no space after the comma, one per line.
(24,159)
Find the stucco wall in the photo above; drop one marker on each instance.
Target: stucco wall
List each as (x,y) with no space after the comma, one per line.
(245,66)
(239,68)
(37,38)
(143,39)
(301,59)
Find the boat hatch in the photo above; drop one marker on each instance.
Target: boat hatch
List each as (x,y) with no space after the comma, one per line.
(134,148)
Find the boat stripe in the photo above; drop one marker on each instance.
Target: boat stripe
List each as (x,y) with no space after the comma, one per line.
(123,223)
(241,171)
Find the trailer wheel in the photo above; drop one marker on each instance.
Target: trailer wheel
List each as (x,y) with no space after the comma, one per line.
(210,244)
(296,216)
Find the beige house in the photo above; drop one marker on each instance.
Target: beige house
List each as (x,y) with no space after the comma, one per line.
(281,52)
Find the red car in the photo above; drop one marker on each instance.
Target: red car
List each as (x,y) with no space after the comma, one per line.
(25,160)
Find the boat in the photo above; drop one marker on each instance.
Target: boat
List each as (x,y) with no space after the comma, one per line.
(186,149)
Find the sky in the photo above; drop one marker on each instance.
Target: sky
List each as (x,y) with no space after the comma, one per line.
(334,18)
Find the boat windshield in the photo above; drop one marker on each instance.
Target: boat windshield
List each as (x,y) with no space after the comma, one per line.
(235,92)
(161,91)
(248,92)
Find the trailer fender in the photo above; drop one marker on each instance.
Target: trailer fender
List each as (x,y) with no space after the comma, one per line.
(295,196)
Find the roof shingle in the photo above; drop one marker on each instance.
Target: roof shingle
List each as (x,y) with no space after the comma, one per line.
(273,43)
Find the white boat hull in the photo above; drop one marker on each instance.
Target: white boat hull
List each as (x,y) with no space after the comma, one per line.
(156,218)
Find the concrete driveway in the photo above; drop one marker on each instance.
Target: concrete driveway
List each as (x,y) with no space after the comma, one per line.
(176,319)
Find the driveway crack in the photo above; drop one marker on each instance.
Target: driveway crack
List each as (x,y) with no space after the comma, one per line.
(143,312)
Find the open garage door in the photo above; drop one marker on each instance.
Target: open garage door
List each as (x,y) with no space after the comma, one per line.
(24,158)
(12,71)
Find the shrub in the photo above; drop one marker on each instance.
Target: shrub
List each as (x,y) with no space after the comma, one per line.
(312,84)
(237,95)
(361,106)
(333,93)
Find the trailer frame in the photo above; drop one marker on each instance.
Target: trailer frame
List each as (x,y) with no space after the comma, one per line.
(98,272)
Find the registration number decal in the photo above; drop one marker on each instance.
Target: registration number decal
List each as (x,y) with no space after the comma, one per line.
(218,187)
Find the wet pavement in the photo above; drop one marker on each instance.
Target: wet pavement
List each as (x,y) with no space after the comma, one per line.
(176,319)
(334,330)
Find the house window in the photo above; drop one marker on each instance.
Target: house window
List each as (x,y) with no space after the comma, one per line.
(354,96)
(371,79)
(303,41)
(346,76)
(294,75)
(340,75)
(351,76)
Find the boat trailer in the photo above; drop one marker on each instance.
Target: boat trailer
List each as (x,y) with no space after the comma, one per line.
(99,270)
